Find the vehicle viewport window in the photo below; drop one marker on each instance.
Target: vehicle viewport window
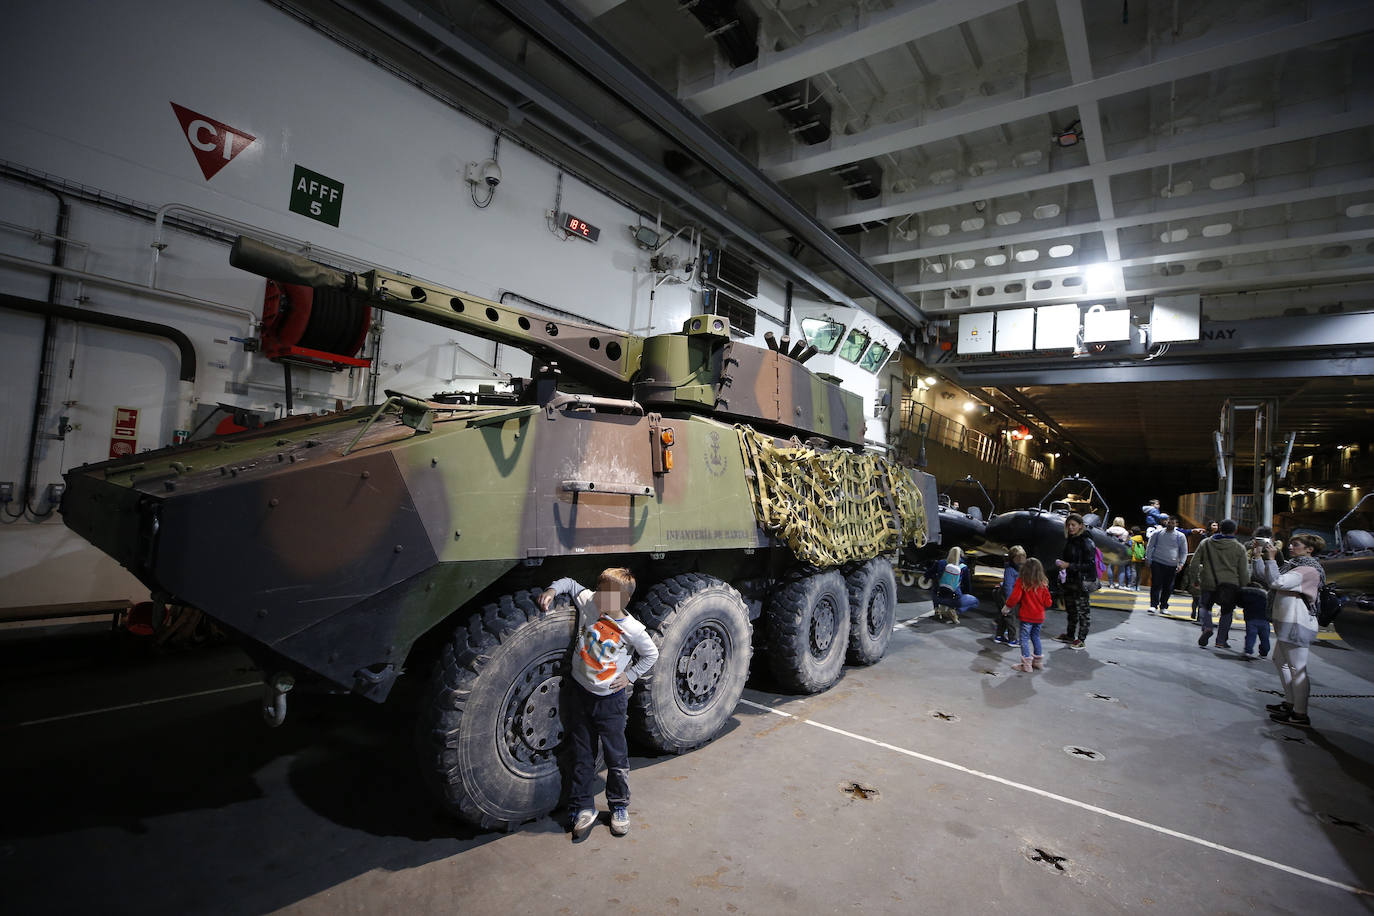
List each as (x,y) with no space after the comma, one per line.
(822,333)
(875,357)
(854,346)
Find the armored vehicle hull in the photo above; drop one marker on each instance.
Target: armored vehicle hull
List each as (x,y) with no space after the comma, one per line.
(413,537)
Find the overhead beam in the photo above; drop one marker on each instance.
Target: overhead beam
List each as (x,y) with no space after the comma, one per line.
(562,120)
(864,37)
(998,185)
(582,47)
(1176,210)
(1161,371)
(1201,55)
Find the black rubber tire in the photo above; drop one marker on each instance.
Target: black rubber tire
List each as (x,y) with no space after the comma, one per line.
(925,582)
(489,728)
(908,578)
(701,627)
(873,610)
(808,631)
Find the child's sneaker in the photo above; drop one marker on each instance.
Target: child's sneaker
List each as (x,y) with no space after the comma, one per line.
(620,820)
(583,822)
(1013,643)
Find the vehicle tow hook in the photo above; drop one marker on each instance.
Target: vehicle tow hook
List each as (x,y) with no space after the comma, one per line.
(274,691)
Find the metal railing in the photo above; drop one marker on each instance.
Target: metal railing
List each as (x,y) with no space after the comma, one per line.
(921,420)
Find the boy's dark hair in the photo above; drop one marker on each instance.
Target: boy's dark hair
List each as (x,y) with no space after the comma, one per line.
(616,579)
(1227,526)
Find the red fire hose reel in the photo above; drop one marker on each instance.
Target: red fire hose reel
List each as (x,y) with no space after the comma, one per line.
(320,328)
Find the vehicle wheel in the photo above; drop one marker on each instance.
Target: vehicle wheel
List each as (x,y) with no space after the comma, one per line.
(808,631)
(925,582)
(490,725)
(701,627)
(872,608)
(907,578)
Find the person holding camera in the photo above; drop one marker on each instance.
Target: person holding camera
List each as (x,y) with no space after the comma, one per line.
(1220,568)
(1293,591)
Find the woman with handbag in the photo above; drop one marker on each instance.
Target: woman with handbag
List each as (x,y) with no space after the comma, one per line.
(1079,564)
(1221,568)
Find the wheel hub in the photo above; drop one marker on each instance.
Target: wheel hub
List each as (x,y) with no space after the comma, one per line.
(534,728)
(700,666)
(877,613)
(823,626)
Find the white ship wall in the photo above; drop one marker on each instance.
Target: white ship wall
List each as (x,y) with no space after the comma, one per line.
(88,100)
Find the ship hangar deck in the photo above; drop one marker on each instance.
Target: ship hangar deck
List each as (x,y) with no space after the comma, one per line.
(1141,775)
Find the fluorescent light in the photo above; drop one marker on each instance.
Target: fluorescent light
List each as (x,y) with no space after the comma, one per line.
(1346,485)
(1099,278)
(930,380)
(968,405)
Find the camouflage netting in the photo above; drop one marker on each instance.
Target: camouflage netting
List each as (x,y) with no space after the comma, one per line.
(831,507)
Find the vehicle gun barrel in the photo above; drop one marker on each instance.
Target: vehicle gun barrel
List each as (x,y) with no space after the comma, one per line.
(597,354)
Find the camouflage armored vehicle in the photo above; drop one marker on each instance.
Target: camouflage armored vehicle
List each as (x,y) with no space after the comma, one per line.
(412,537)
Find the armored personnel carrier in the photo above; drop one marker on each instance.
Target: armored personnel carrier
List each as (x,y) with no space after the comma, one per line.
(412,537)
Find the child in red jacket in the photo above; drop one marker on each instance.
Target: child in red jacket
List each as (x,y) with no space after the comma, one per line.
(1030,597)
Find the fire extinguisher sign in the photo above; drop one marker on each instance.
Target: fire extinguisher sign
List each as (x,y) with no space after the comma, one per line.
(124,435)
(316,196)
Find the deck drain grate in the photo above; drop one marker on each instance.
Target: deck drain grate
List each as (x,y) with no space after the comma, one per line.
(944,716)
(859,791)
(1102,696)
(1356,826)
(1084,753)
(1048,858)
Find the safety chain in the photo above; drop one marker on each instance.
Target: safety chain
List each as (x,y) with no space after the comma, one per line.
(1327,696)
(831,506)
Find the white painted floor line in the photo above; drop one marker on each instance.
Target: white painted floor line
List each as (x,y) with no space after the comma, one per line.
(96,712)
(1068,801)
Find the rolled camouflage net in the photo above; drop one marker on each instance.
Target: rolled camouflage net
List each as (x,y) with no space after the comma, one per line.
(831,506)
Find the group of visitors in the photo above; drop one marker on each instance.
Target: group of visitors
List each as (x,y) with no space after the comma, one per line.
(1224,573)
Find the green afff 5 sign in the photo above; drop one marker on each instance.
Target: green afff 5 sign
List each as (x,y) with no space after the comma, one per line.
(316,196)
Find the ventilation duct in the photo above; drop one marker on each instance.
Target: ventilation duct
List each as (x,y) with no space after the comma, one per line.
(741,314)
(731,271)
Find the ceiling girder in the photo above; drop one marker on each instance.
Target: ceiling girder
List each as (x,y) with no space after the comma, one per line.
(1201,55)
(558,27)
(866,36)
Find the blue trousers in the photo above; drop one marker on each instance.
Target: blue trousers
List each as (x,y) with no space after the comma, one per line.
(1030,637)
(1254,629)
(592,718)
(1204,616)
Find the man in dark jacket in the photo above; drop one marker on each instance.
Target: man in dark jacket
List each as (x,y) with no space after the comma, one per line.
(1079,563)
(1220,568)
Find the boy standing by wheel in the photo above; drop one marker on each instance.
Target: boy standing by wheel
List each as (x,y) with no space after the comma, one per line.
(599,699)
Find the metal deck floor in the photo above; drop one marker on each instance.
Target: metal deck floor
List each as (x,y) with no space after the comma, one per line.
(1140,775)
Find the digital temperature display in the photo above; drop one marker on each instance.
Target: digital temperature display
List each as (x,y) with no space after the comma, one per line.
(580,228)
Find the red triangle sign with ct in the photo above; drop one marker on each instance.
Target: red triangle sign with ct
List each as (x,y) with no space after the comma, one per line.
(214,142)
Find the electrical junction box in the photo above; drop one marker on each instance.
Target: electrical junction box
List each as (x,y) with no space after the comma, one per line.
(975,332)
(1056,327)
(1015,330)
(1176,318)
(1103,325)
